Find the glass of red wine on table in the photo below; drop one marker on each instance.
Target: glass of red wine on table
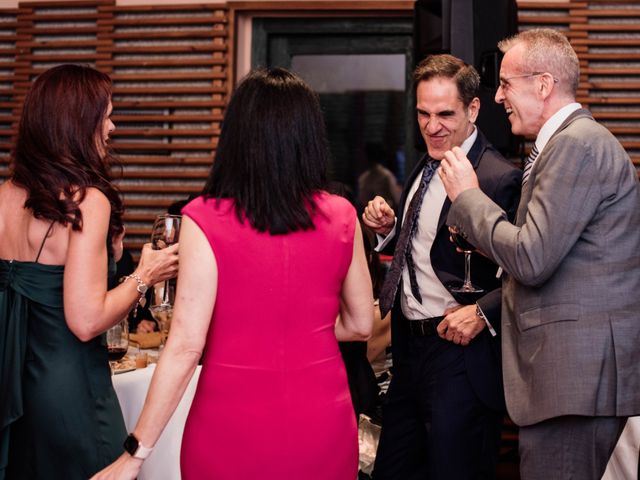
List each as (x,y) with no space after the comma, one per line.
(117,342)
(466,289)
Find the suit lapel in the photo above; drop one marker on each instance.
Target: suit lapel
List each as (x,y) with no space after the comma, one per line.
(527,191)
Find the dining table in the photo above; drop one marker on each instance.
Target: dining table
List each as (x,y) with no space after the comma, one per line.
(131,388)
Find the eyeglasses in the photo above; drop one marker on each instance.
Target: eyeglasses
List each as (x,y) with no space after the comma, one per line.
(504,82)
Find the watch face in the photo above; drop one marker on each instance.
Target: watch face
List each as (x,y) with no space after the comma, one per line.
(131,444)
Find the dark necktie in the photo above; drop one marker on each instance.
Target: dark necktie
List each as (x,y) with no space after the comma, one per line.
(403,246)
(529,163)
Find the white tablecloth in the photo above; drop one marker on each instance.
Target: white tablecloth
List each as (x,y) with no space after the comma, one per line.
(164,461)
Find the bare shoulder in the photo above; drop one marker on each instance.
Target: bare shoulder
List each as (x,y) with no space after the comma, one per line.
(94,206)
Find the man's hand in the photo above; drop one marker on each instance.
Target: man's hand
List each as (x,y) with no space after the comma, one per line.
(461,325)
(457,173)
(378,216)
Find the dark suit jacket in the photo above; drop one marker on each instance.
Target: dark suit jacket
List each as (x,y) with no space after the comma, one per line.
(501,181)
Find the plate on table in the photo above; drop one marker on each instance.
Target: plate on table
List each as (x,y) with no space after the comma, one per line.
(127,364)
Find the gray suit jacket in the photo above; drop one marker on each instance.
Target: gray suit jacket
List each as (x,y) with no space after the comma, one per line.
(571,308)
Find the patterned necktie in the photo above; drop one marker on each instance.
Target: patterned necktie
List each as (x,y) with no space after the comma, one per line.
(403,246)
(529,163)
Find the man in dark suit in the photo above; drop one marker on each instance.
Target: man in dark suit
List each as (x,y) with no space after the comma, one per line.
(443,411)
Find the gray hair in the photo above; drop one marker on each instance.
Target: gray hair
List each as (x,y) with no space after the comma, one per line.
(548,50)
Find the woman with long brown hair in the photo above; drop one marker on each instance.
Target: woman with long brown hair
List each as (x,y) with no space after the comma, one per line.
(61,229)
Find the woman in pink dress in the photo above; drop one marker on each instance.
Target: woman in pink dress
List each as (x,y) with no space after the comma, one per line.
(272,273)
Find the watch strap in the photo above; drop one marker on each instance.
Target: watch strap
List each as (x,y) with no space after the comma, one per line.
(133,446)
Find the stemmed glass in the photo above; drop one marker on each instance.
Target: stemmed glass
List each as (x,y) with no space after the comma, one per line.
(467,248)
(165,232)
(163,295)
(117,342)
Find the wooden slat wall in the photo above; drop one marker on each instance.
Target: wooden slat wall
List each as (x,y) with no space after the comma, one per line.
(171,68)
(171,71)
(9,77)
(606,36)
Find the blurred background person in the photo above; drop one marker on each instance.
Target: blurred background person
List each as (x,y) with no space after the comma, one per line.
(268,260)
(140,318)
(377,179)
(61,229)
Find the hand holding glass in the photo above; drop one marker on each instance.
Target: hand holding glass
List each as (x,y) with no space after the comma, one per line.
(165,232)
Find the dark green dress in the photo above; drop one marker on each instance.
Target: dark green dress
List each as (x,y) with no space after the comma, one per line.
(59,414)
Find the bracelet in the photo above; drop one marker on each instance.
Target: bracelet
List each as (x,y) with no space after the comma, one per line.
(141,288)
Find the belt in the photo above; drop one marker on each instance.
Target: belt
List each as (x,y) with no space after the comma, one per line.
(425,327)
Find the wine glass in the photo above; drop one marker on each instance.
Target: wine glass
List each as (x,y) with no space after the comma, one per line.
(163,294)
(165,232)
(466,287)
(117,342)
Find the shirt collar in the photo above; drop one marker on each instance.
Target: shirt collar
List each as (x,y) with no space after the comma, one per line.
(551,125)
(468,143)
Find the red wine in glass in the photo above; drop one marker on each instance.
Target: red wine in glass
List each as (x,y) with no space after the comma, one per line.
(461,242)
(116,353)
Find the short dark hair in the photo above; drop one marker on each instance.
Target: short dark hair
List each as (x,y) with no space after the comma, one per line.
(272,153)
(447,66)
(56,156)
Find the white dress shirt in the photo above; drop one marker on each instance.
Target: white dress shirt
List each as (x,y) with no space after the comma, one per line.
(435,297)
(551,125)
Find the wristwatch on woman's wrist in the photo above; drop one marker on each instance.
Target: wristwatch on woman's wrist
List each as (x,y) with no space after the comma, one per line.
(134,448)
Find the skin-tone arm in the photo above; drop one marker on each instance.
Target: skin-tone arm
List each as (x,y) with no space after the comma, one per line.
(355,321)
(378,216)
(89,308)
(195,299)
(381,336)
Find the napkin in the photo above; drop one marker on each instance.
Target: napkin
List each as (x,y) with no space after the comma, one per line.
(146,340)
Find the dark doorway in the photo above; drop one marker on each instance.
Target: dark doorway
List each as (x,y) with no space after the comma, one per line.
(361,69)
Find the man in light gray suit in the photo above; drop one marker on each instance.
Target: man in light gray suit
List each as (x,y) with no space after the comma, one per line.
(571,314)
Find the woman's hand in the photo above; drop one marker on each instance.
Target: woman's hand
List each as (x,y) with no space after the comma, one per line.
(157,265)
(124,468)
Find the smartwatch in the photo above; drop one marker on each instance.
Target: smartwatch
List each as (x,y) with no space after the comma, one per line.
(134,448)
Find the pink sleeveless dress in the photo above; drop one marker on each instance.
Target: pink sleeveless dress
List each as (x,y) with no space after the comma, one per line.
(272,401)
